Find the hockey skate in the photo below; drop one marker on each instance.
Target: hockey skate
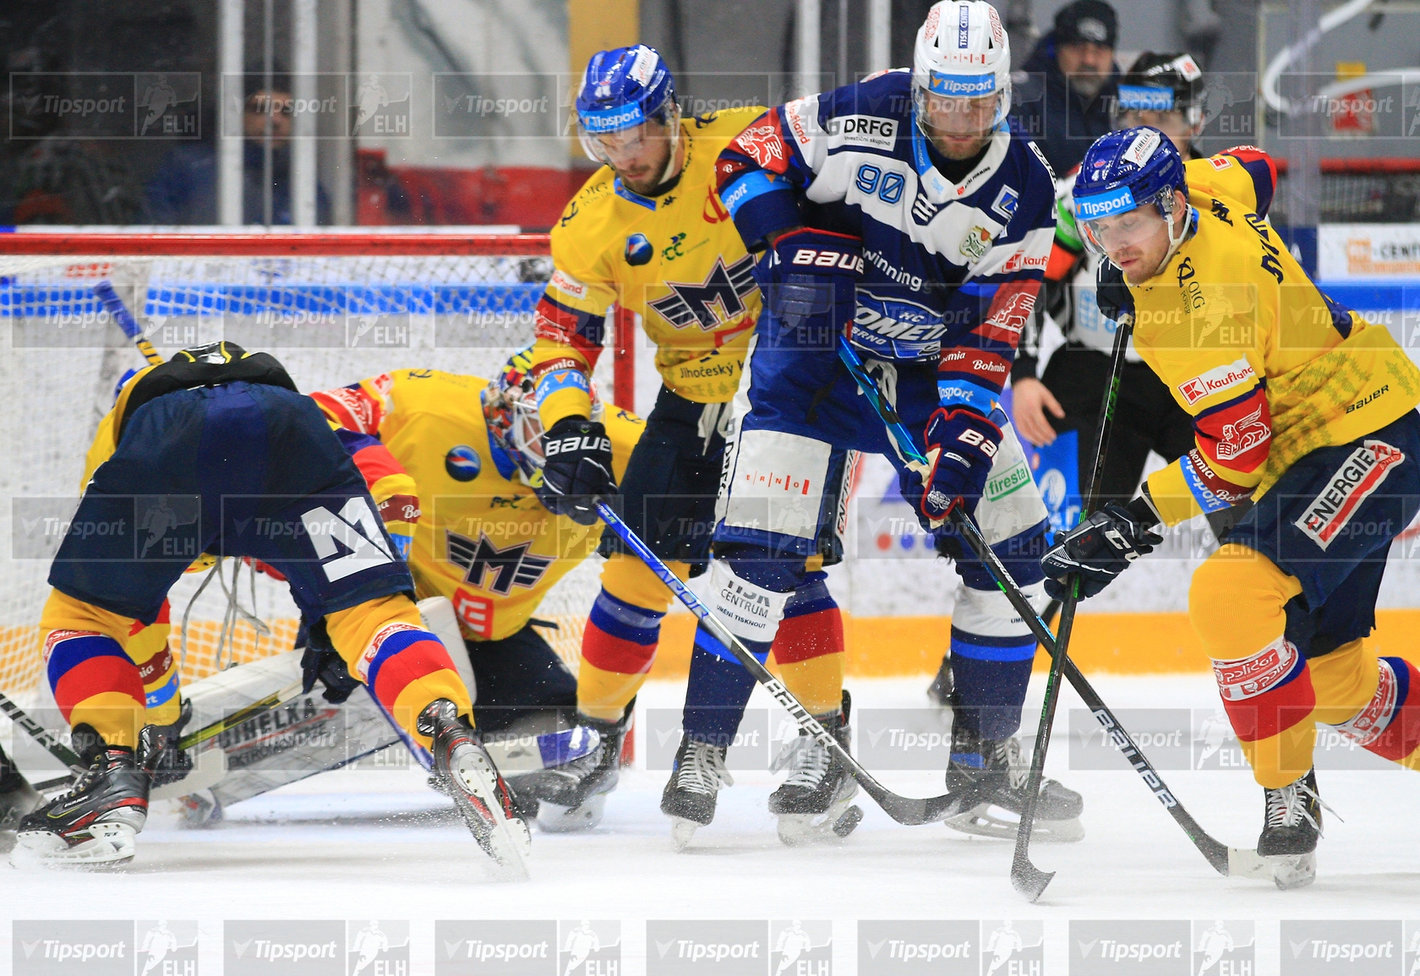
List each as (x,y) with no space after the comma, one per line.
(468,775)
(93,823)
(573,796)
(17,798)
(939,692)
(990,777)
(1290,828)
(815,802)
(689,797)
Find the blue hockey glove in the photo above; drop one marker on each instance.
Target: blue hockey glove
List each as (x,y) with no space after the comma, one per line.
(812,283)
(576,469)
(321,662)
(1111,293)
(1099,548)
(962,446)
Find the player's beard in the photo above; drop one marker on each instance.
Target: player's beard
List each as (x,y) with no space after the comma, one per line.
(648,178)
(960,147)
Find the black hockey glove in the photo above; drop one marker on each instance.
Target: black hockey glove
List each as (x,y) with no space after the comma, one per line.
(1099,548)
(577,469)
(158,750)
(321,662)
(962,445)
(1111,293)
(811,284)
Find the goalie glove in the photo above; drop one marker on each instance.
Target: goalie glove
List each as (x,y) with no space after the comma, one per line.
(1100,548)
(962,447)
(577,469)
(811,283)
(321,662)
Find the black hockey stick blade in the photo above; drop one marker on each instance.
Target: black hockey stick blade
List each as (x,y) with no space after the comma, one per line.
(1026,878)
(904,809)
(40,734)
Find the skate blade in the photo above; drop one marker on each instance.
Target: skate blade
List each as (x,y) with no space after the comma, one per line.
(1292,870)
(506,841)
(682,831)
(804,829)
(979,821)
(100,845)
(554,819)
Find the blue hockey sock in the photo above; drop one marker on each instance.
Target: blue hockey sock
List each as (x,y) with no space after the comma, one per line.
(990,675)
(718,690)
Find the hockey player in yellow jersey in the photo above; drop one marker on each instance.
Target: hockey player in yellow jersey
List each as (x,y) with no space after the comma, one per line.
(1301,405)
(648,232)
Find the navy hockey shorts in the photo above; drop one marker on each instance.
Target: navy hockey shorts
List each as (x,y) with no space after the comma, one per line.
(668,492)
(235,470)
(517,675)
(1330,521)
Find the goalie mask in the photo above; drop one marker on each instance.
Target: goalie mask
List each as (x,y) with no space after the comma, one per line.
(623,92)
(510,409)
(961,60)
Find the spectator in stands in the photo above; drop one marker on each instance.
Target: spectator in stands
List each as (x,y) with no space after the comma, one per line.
(1064,100)
(184,189)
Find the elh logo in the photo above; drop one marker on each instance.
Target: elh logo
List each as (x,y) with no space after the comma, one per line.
(801,948)
(1012,948)
(377,948)
(1224,948)
(589,948)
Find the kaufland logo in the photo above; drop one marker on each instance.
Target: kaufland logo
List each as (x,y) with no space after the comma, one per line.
(1216,380)
(1090,208)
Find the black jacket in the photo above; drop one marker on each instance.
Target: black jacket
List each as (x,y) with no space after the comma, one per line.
(1062,124)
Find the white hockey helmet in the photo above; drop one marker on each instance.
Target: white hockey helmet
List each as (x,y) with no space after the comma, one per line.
(510,409)
(962,51)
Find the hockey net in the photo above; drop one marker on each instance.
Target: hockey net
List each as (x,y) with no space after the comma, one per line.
(333,308)
(1362,189)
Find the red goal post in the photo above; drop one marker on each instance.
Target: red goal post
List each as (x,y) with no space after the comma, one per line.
(332,306)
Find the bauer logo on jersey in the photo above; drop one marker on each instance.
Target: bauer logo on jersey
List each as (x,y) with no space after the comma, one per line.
(864,130)
(1216,380)
(463,463)
(718,299)
(491,568)
(1354,481)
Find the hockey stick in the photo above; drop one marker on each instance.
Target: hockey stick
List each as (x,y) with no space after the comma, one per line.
(1227,861)
(1028,879)
(903,809)
(124,319)
(41,735)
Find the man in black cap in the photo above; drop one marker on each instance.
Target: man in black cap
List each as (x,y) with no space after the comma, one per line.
(1064,101)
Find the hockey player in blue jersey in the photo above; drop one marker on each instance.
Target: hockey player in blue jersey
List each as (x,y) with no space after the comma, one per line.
(902,213)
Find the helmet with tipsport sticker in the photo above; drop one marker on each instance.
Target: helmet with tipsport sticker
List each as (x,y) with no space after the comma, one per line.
(1162,83)
(962,51)
(624,88)
(1128,170)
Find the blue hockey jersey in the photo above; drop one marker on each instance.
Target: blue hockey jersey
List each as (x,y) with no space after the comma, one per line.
(951,270)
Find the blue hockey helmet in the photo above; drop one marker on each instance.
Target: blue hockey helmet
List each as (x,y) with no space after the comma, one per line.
(621,89)
(1127,170)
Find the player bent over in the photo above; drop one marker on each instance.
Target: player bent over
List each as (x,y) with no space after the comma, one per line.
(1298,403)
(648,232)
(244,466)
(902,213)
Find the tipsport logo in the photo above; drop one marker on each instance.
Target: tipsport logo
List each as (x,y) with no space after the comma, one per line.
(751,748)
(283,947)
(1224,948)
(497,948)
(377,947)
(801,948)
(703,947)
(1130,947)
(1356,947)
(589,948)
(106,105)
(919,947)
(105,948)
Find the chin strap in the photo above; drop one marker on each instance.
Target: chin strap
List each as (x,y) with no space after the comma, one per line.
(1176,242)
